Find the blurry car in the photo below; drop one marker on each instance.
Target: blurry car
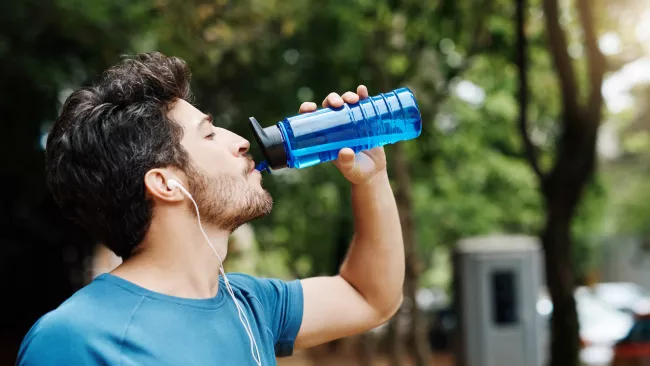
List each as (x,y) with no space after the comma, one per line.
(634,348)
(625,296)
(601,326)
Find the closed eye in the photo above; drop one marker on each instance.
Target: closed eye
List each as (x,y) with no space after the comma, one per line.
(210,136)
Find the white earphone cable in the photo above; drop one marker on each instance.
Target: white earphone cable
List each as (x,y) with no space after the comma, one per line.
(247,327)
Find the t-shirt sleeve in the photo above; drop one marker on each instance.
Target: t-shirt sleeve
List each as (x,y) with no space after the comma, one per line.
(52,343)
(282,302)
(284,312)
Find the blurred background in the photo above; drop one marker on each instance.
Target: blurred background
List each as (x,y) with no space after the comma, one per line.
(536,130)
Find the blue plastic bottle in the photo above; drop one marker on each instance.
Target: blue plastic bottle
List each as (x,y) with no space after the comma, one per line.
(312,138)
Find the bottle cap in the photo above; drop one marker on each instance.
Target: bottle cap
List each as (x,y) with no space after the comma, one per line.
(271,143)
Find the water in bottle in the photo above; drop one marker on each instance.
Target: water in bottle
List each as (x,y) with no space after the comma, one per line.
(311,138)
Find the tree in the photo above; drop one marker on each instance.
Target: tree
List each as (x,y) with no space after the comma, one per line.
(564,184)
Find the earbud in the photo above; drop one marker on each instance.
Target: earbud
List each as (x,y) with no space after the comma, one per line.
(171,184)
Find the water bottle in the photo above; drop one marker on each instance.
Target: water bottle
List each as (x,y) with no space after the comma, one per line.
(312,138)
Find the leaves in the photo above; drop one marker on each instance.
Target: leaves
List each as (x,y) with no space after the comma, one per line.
(263,58)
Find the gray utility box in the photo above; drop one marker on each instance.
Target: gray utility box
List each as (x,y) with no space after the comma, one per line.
(497,281)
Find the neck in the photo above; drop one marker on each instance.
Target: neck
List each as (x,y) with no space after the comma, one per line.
(175,259)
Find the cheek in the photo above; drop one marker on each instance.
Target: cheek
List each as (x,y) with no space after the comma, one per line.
(210,158)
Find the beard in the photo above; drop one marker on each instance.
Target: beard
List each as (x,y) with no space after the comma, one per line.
(227,201)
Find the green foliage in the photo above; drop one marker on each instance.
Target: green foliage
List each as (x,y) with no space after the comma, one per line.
(628,175)
(263,58)
(46,48)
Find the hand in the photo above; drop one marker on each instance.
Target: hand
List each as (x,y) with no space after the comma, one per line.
(358,168)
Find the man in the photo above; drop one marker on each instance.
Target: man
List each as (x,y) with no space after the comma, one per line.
(111,157)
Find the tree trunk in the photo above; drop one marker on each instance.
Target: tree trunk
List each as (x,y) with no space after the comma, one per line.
(572,169)
(574,165)
(563,188)
(560,279)
(421,352)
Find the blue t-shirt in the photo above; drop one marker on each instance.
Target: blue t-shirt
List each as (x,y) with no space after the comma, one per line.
(112,321)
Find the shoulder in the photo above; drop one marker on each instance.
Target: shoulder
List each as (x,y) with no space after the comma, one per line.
(265,289)
(94,312)
(57,332)
(57,338)
(56,327)
(245,283)
(98,303)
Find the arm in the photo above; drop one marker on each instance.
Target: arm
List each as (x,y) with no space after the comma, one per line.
(368,289)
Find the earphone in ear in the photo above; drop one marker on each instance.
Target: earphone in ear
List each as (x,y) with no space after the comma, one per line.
(172,183)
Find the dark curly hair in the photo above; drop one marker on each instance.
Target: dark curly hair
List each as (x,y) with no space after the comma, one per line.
(107,137)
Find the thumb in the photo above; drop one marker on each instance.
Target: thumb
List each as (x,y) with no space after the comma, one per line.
(345,161)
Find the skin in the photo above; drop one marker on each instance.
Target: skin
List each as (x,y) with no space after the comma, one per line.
(175,260)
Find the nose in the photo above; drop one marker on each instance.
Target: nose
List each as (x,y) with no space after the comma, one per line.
(242,147)
(238,145)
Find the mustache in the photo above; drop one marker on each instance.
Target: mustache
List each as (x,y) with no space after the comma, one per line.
(250,165)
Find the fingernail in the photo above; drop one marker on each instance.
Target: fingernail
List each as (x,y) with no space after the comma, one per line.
(337,100)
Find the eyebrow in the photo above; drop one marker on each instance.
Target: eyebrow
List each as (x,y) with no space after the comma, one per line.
(207,118)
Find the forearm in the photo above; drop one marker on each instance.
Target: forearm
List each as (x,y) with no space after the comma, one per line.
(375,262)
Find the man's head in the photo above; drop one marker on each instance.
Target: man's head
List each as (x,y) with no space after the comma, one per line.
(115,144)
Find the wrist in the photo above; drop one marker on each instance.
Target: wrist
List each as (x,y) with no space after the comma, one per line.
(378,178)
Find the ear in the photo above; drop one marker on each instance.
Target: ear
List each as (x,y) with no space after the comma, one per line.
(155,181)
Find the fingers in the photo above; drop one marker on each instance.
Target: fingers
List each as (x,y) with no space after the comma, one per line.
(350,97)
(332,100)
(335,101)
(307,107)
(345,161)
(362,92)
(346,154)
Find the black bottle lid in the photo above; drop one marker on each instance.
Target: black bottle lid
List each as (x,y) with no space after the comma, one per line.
(271,143)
